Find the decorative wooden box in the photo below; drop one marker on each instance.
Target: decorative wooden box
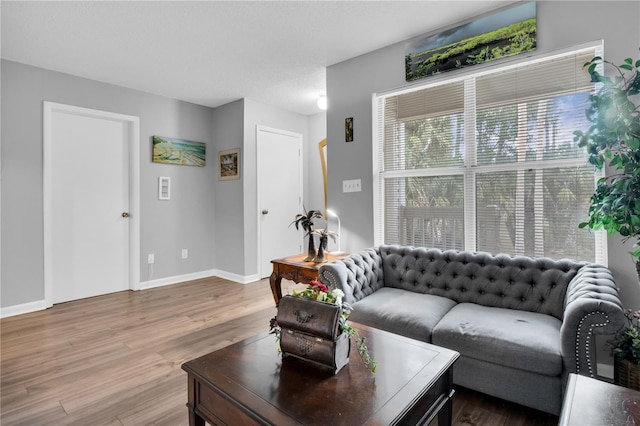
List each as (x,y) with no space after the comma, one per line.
(310,330)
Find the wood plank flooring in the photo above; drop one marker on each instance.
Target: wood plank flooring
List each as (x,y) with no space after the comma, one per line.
(115,359)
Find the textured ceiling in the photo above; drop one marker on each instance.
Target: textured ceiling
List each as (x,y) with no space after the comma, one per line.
(214,52)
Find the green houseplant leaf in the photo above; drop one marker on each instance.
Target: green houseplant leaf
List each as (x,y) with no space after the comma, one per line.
(613,140)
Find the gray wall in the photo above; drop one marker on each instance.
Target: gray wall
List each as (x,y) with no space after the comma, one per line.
(228,133)
(234,126)
(350,85)
(24,88)
(215,220)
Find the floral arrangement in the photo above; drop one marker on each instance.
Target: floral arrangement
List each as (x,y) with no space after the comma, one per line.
(626,344)
(320,293)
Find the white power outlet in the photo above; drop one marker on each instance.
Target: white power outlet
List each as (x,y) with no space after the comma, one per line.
(353,185)
(151,259)
(185,253)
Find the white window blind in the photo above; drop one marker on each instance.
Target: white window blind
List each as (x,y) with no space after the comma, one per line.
(487,161)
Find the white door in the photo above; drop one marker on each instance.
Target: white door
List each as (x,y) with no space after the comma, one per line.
(279,195)
(88,215)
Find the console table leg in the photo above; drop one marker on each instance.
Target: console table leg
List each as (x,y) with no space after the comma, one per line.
(275,281)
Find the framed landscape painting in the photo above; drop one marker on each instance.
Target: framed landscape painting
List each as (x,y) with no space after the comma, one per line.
(179,151)
(505,33)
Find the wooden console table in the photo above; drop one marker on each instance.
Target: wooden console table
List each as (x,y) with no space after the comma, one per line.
(294,268)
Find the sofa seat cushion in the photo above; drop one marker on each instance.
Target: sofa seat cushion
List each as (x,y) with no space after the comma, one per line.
(402,312)
(518,339)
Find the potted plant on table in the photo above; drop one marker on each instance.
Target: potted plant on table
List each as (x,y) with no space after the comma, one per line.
(323,235)
(305,221)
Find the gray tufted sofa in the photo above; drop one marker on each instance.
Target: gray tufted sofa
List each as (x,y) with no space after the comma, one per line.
(521,324)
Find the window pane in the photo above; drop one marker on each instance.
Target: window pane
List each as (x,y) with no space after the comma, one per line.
(425,211)
(434,142)
(424,128)
(535,213)
(532,131)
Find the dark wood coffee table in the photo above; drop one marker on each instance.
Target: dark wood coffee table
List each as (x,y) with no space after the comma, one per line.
(250,383)
(590,401)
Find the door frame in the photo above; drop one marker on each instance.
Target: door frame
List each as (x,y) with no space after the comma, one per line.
(299,137)
(133,124)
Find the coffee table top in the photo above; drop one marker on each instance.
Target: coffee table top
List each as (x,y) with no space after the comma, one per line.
(291,391)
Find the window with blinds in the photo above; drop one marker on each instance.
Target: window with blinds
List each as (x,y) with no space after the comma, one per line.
(487,162)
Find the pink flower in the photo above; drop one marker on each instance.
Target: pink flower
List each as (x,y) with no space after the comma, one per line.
(319,285)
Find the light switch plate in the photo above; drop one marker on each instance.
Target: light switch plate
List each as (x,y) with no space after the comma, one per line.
(353,185)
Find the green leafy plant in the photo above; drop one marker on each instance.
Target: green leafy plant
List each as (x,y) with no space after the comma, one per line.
(324,234)
(321,293)
(626,344)
(614,139)
(305,221)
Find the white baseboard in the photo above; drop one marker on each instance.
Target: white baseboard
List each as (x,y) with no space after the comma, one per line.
(160,282)
(242,279)
(24,308)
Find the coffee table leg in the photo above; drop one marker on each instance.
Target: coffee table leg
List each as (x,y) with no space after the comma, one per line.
(195,420)
(445,416)
(275,281)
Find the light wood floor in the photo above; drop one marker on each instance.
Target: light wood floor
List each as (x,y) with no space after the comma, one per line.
(115,359)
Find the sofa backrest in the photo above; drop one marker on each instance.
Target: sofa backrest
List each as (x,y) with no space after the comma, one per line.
(514,282)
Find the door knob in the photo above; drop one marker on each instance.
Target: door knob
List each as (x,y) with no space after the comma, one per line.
(125,214)
(265,211)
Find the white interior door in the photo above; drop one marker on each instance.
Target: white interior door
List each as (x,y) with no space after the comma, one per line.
(87,203)
(279,195)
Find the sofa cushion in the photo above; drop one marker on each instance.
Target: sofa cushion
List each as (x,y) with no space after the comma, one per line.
(402,312)
(525,340)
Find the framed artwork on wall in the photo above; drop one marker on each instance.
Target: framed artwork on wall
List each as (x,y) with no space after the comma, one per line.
(179,151)
(509,32)
(348,129)
(229,164)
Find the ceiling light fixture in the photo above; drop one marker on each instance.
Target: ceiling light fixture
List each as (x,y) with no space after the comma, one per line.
(322,102)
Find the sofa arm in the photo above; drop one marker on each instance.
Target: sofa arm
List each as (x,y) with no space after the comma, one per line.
(592,306)
(357,275)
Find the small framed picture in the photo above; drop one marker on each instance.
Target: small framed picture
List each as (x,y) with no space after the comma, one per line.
(348,129)
(229,164)
(164,188)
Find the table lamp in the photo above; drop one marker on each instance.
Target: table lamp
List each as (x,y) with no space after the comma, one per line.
(332,213)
